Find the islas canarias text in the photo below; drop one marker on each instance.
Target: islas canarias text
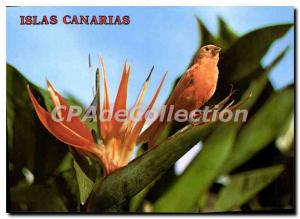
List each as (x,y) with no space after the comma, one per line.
(76,20)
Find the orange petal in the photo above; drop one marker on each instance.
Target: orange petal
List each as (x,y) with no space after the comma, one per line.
(130,141)
(106,91)
(138,104)
(121,99)
(105,125)
(58,129)
(74,123)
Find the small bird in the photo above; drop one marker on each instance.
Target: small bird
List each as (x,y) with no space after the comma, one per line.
(194,89)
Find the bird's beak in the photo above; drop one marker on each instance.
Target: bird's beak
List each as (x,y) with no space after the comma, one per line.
(216,50)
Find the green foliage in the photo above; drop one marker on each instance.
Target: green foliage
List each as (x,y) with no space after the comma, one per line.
(84,182)
(30,145)
(226,35)
(65,180)
(39,198)
(113,191)
(201,173)
(258,84)
(245,54)
(206,36)
(262,128)
(137,200)
(244,186)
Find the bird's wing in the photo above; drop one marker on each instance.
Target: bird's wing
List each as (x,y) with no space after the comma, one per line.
(183,83)
(181,86)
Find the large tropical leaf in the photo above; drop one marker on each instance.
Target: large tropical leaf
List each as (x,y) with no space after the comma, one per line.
(244,186)
(258,84)
(245,54)
(226,35)
(30,145)
(262,128)
(84,182)
(116,189)
(183,196)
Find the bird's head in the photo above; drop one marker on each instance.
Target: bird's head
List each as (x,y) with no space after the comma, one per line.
(208,51)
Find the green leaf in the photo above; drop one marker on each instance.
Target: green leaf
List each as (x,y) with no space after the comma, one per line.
(285,141)
(243,57)
(84,182)
(183,196)
(87,165)
(226,35)
(38,198)
(244,186)
(30,144)
(117,188)
(206,36)
(138,199)
(65,164)
(262,128)
(68,188)
(257,85)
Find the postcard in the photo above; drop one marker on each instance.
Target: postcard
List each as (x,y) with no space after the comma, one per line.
(150,110)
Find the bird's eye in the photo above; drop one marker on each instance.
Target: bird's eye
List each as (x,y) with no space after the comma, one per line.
(206,49)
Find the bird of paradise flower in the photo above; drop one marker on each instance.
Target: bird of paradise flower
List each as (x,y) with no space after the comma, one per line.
(117,139)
